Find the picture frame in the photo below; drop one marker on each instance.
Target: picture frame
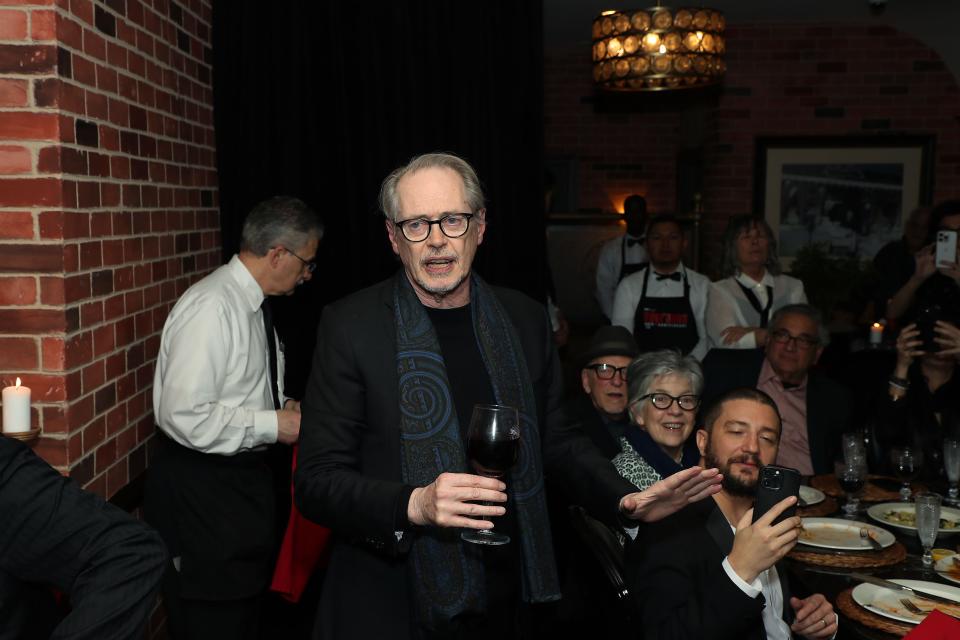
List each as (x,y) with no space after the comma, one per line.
(851,194)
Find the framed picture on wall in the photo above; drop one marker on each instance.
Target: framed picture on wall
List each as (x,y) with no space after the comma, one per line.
(851,195)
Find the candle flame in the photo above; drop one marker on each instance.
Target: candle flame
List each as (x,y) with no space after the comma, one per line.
(18,382)
(877,325)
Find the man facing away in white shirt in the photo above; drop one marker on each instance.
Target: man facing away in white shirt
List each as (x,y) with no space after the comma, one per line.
(219,404)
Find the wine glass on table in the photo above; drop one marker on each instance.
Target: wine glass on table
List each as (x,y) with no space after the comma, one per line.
(493,444)
(906,466)
(927,507)
(951,463)
(852,476)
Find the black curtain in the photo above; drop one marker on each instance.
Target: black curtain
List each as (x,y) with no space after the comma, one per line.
(322,99)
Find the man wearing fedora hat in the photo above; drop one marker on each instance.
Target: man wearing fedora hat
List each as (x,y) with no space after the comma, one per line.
(601,409)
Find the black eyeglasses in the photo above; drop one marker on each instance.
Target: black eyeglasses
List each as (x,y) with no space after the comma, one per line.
(311,266)
(453,225)
(782,336)
(607,371)
(665,401)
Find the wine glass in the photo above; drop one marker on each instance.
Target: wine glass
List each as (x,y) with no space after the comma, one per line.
(906,466)
(951,463)
(854,446)
(927,507)
(852,475)
(493,443)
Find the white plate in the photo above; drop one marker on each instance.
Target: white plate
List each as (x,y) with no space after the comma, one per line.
(886,602)
(948,569)
(811,496)
(836,533)
(879,513)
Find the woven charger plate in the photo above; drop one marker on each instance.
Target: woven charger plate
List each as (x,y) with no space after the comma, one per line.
(855,612)
(892,555)
(871,492)
(825,508)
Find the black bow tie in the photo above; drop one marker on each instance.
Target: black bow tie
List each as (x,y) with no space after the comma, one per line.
(633,241)
(675,276)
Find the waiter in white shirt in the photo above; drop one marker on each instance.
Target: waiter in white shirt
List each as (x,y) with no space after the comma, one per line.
(624,255)
(663,305)
(219,404)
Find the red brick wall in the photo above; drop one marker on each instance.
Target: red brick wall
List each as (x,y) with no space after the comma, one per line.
(783,80)
(107,213)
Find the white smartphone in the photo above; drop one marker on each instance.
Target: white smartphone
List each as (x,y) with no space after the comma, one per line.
(946,248)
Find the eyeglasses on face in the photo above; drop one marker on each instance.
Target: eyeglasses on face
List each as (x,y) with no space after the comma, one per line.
(310,266)
(665,401)
(782,336)
(607,371)
(453,225)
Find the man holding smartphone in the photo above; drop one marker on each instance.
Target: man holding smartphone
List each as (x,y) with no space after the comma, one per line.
(709,571)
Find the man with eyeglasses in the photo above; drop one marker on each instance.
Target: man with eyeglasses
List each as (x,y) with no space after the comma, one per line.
(815,409)
(601,409)
(220,407)
(397,371)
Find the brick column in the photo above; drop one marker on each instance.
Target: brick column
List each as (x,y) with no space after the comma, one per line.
(107,213)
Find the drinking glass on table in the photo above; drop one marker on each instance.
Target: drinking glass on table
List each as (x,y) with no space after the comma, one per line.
(951,463)
(852,475)
(854,446)
(906,466)
(493,443)
(927,507)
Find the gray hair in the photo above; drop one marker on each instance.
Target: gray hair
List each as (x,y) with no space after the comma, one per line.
(472,191)
(738,225)
(806,310)
(651,365)
(280,220)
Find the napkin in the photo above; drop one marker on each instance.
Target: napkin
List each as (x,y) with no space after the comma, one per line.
(303,548)
(936,626)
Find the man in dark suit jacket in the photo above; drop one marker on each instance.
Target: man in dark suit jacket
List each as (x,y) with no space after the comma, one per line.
(601,410)
(709,572)
(397,370)
(53,533)
(815,409)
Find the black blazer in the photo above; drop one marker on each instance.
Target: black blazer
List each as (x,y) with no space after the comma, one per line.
(580,410)
(53,533)
(678,582)
(829,403)
(349,473)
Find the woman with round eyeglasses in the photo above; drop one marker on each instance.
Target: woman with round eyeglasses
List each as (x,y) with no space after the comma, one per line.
(664,392)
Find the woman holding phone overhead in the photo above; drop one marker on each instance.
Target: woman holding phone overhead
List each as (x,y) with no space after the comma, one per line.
(663,395)
(740,306)
(935,280)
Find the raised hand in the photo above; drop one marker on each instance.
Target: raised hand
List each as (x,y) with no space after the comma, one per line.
(732,335)
(908,348)
(444,502)
(671,494)
(759,545)
(948,337)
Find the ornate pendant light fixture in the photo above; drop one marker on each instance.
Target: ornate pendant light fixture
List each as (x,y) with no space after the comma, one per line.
(658,49)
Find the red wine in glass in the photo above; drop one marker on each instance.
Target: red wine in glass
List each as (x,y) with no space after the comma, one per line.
(493,444)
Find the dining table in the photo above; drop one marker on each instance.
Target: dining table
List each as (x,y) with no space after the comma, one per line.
(831,571)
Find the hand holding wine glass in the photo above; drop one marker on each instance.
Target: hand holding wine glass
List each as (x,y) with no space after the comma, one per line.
(493,444)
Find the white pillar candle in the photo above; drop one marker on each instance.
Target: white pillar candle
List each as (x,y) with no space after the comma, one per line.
(876,333)
(16,409)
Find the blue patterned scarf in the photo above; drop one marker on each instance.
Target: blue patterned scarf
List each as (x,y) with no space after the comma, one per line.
(447,574)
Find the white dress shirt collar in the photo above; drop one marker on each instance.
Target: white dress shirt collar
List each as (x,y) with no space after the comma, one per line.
(249,288)
(750,283)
